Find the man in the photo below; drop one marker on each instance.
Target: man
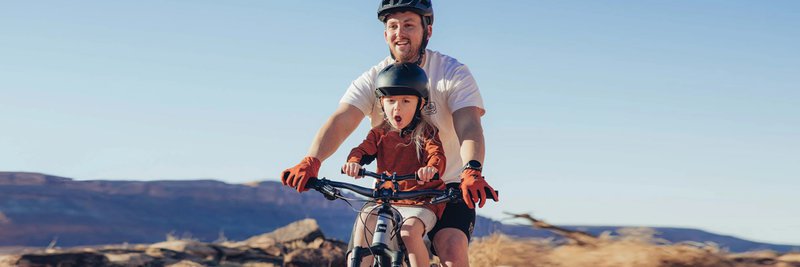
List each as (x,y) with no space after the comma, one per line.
(455,108)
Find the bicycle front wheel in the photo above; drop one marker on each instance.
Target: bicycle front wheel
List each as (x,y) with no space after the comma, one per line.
(382,261)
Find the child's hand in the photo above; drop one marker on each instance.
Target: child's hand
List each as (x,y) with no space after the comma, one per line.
(425,174)
(351,169)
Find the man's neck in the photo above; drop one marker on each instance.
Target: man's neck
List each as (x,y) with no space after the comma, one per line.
(421,63)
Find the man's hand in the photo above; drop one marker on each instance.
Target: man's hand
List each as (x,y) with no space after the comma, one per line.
(297,176)
(473,188)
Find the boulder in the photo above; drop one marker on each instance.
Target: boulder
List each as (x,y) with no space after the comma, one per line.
(194,248)
(9,260)
(789,260)
(129,259)
(298,244)
(790,257)
(185,263)
(304,230)
(261,264)
(314,257)
(764,257)
(294,235)
(252,255)
(66,259)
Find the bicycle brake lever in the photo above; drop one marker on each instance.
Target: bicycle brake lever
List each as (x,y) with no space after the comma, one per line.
(450,195)
(440,199)
(330,192)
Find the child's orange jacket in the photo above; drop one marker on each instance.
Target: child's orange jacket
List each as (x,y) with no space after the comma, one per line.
(398,154)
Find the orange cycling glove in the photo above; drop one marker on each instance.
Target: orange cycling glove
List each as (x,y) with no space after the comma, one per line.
(297,176)
(474,187)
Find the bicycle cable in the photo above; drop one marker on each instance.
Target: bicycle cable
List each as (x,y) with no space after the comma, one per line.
(359,212)
(366,228)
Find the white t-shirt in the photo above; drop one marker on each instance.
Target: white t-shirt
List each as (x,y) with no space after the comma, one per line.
(451,87)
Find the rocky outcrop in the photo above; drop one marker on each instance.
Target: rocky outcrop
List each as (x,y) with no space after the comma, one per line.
(766,258)
(298,244)
(303,231)
(30,178)
(37,209)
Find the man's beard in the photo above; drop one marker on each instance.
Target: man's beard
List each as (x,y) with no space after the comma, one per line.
(407,57)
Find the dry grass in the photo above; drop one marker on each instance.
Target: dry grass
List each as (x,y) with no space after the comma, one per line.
(634,248)
(502,250)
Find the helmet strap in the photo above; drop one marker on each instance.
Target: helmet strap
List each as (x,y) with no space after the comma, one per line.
(424,40)
(417,118)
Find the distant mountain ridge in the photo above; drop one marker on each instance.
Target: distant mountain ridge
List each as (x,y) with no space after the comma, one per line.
(36,209)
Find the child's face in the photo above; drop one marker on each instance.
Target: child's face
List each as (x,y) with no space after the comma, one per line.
(399,109)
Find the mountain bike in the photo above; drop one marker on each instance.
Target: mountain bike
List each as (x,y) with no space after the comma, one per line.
(386,231)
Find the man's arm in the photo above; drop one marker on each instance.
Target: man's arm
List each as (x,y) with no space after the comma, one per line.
(467,123)
(340,125)
(474,189)
(333,133)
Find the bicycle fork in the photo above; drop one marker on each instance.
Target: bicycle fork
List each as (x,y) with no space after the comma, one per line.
(381,240)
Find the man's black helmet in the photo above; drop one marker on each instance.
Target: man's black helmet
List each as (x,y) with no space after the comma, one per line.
(422,7)
(402,79)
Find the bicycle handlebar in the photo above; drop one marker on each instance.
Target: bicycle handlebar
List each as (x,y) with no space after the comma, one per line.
(393,176)
(330,190)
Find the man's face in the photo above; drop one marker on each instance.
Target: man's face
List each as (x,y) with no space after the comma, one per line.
(403,34)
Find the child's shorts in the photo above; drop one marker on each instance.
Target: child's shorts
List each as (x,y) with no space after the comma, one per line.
(425,215)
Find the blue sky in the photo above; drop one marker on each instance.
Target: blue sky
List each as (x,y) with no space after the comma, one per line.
(654,113)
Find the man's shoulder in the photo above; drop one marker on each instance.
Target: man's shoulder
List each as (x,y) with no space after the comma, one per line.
(369,75)
(446,66)
(443,59)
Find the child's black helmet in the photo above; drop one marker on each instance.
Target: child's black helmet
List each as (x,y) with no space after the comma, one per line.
(402,79)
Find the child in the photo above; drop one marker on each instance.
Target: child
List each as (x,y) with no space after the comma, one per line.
(404,143)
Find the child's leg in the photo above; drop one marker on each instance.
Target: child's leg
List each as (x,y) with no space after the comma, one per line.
(412,232)
(417,221)
(361,237)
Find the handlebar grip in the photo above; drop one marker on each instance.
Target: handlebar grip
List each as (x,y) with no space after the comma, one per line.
(489,195)
(454,195)
(360,172)
(312,183)
(435,177)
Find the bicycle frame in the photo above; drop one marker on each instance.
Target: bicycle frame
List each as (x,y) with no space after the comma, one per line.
(385,254)
(387,219)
